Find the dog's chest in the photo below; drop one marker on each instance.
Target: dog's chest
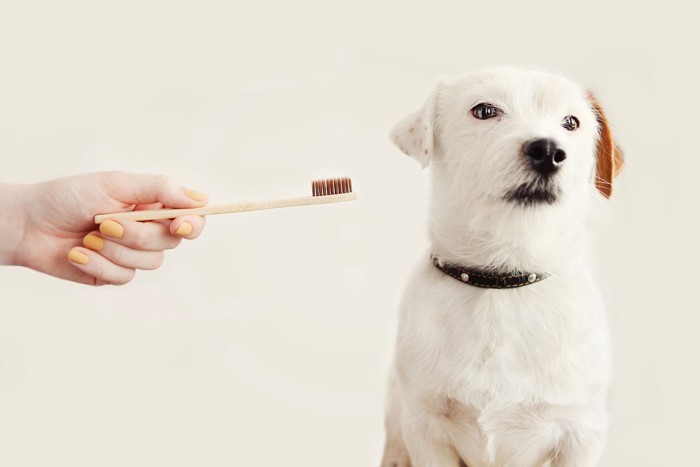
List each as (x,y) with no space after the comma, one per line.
(542,343)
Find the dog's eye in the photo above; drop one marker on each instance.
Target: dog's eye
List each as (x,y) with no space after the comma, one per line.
(486,111)
(570,122)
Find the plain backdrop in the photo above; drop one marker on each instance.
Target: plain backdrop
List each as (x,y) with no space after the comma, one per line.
(267,341)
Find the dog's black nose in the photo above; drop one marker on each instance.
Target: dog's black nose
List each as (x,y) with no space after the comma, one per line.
(544,154)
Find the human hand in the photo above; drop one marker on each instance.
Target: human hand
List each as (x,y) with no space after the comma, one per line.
(48,222)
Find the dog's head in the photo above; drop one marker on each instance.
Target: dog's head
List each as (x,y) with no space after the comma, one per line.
(514,144)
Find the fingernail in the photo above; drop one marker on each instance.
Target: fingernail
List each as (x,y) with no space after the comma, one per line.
(195,195)
(184,229)
(112,229)
(78,256)
(94,242)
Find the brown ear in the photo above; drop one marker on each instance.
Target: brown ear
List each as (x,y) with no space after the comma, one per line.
(609,158)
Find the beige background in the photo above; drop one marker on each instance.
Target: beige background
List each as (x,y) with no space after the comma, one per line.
(266,342)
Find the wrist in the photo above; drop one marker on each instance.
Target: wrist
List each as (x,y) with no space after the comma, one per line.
(12,221)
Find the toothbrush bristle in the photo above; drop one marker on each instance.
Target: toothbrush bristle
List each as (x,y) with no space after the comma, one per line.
(331,186)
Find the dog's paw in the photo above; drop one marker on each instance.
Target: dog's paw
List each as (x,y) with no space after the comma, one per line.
(396,458)
(396,463)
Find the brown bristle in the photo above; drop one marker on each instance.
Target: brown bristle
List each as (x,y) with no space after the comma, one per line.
(331,186)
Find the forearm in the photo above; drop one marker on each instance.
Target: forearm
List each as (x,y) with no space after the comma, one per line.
(12,221)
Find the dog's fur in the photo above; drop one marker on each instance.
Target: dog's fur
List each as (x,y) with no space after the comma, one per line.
(503,377)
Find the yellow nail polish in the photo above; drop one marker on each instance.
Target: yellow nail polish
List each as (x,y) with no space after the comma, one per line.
(112,229)
(184,229)
(94,242)
(195,195)
(78,257)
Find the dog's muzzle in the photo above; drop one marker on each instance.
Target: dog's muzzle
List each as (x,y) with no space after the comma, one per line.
(545,158)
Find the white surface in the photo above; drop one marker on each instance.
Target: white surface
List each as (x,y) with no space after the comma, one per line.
(266,342)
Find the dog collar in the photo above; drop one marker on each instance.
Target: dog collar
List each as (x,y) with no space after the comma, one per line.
(488,279)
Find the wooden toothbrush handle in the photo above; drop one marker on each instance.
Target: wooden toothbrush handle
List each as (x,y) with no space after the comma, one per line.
(149,215)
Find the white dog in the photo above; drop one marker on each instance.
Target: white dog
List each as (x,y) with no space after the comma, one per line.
(502,353)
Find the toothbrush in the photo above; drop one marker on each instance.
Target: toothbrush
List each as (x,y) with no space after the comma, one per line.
(332,190)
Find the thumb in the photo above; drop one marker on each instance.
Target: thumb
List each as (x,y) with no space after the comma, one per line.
(131,188)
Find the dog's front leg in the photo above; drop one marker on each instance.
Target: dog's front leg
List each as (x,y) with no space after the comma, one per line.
(395,453)
(427,440)
(584,447)
(579,456)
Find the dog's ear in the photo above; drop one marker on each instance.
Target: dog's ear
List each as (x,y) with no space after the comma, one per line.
(415,134)
(609,157)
